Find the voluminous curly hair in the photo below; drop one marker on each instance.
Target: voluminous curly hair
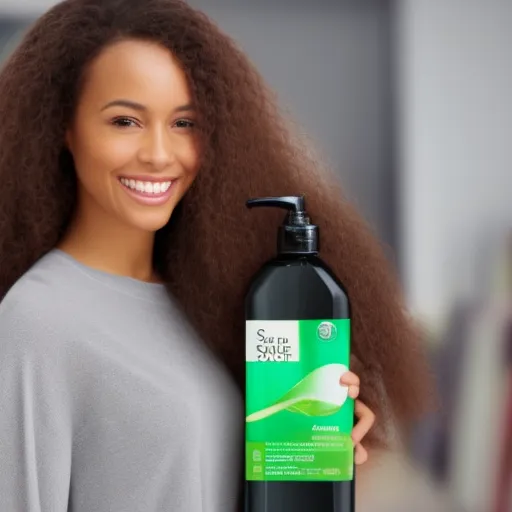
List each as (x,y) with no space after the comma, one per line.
(212,246)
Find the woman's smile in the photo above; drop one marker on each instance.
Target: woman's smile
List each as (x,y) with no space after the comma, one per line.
(147,190)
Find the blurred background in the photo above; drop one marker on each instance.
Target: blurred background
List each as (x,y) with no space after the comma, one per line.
(411,101)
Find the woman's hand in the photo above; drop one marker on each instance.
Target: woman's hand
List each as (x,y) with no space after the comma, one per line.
(363,413)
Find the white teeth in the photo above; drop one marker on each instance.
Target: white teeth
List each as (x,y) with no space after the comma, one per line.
(147,187)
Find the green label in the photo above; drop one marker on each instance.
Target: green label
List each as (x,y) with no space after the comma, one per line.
(299,417)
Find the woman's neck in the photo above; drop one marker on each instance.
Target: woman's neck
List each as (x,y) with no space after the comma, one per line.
(111,247)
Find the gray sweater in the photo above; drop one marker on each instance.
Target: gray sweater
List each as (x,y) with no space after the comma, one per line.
(108,400)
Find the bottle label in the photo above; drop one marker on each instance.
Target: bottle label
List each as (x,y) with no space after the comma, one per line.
(299,417)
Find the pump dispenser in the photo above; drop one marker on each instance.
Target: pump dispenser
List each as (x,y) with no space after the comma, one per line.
(299,418)
(296,235)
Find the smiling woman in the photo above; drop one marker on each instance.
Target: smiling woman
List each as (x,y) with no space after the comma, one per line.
(133,132)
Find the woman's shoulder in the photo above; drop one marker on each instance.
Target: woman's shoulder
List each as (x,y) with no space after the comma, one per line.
(35,309)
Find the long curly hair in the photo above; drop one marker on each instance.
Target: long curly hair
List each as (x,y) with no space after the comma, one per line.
(212,245)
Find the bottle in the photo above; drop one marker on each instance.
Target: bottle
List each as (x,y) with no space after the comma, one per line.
(299,455)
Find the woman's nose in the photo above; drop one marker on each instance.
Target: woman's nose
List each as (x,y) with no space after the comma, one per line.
(156,149)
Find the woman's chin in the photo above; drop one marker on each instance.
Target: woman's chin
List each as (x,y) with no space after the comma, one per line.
(150,221)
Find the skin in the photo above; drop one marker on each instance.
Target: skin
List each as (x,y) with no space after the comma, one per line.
(151,133)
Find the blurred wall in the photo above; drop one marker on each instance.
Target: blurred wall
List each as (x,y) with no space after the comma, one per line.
(455,94)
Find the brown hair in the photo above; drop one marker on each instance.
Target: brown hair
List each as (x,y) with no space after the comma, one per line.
(212,245)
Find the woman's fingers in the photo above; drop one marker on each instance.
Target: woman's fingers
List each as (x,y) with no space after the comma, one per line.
(366,420)
(351,380)
(363,413)
(361,455)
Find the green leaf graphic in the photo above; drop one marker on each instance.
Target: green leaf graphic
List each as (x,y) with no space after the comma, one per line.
(318,394)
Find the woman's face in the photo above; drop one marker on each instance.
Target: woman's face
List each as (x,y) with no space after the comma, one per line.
(133,138)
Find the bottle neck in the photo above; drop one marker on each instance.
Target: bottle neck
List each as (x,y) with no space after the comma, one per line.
(298,240)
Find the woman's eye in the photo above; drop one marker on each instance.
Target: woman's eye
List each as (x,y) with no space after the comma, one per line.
(124,122)
(184,123)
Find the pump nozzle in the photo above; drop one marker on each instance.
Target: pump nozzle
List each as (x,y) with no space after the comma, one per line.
(292,203)
(296,235)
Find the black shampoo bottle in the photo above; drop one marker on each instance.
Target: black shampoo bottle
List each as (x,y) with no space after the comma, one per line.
(299,419)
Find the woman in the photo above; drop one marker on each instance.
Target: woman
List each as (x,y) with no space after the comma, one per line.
(132,134)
